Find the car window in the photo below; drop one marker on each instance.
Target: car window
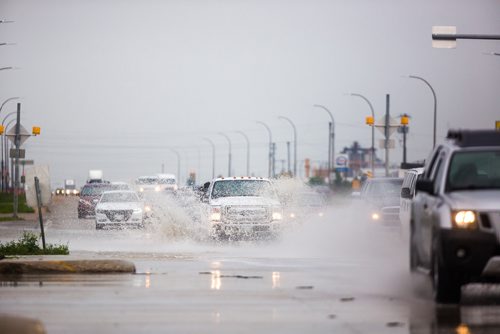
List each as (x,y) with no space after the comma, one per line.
(389,188)
(439,174)
(243,188)
(119,197)
(94,191)
(429,171)
(474,170)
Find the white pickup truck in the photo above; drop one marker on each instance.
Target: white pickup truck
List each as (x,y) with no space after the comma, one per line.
(243,207)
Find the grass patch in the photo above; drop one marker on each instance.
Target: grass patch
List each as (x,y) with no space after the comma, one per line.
(28,244)
(7,203)
(10,219)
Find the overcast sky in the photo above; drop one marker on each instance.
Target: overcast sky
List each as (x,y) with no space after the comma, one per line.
(114,84)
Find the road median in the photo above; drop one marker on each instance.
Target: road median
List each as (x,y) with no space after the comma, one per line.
(27,267)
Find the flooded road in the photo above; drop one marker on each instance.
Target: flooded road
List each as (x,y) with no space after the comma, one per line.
(333,274)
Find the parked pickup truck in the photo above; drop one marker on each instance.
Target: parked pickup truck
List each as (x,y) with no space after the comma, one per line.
(455,215)
(243,207)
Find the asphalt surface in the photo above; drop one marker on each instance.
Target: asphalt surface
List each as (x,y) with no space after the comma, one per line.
(338,273)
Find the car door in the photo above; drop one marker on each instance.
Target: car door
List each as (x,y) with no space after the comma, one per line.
(430,207)
(420,204)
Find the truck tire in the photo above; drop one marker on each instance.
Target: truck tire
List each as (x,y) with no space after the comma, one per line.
(98,226)
(446,284)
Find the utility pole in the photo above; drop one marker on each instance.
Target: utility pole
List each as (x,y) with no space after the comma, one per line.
(330,164)
(288,156)
(387,133)
(273,150)
(17,142)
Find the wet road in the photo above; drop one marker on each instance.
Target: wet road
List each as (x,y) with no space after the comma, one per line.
(334,274)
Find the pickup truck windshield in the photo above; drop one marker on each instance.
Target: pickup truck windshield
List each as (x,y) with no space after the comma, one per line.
(229,188)
(474,170)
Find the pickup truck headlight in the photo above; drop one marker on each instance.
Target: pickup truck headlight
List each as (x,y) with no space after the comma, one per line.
(277,214)
(157,188)
(215,214)
(464,219)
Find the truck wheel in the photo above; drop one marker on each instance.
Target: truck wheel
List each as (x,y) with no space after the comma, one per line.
(447,285)
(98,226)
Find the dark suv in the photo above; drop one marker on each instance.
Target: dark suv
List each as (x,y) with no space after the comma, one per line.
(89,196)
(455,216)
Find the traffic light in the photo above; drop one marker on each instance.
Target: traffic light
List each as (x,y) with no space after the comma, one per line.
(370,120)
(2,129)
(36,130)
(404,120)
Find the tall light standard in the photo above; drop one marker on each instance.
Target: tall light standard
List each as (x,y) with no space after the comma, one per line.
(5,102)
(213,155)
(178,164)
(331,141)
(2,149)
(435,104)
(294,143)
(6,152)
(229,155)
(270,163)
(373,130)
(248,150)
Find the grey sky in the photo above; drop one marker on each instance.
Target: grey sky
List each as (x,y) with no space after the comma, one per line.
(114,83)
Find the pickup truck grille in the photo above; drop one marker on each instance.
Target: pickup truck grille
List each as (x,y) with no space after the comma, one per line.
(246,215)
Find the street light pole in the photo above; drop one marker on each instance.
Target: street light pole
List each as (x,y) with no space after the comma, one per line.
(248,150)
(8,163)
(213,156)
(373,130)
(435,105)
(229,155)
(270,163)
(2,150)
(5,102)
(178,164)
(331,141)
(294,143)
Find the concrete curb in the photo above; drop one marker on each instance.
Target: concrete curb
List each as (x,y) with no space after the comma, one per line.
(23,267)
(20,325)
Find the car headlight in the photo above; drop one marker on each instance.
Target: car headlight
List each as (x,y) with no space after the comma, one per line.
(321,214)
(141,189)
(464,219)
(147,208)
(157,188)
(292,215)
(216,214)
(277,214)
(375,216)
(75,192)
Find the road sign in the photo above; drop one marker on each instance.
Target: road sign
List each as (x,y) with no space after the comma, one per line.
(13,155)
(444,43)
(24,134)
(341,163)
(394,124)
(391,143)
(497,125)
(27,162)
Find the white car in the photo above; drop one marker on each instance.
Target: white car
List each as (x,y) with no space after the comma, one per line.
(167,182)
(243,207)
(120,208)
(148,184)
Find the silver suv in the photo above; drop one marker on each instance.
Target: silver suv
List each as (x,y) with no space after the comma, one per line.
(455,216)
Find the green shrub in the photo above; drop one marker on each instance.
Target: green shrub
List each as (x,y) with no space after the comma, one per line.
(28,244)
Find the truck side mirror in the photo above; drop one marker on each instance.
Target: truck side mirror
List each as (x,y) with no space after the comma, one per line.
(405,192)
(426,186)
